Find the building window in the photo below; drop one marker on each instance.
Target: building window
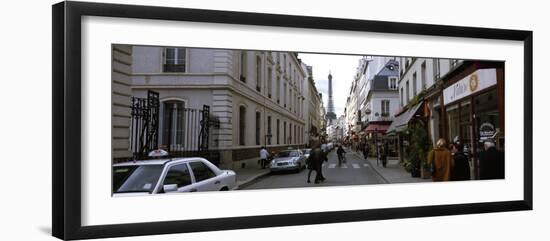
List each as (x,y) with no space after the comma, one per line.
(407,91)
(290,100)
(402,101)
(269,130)
(278,130)
(278,89)
(289,133)
(289,72)
(295,134)
(392,83)
(174,60)
(437,71)
(258,73)
(385,108)
(243,66)
(269,82)
(284,63)
(242,125)
(414,84)
(423,75)
(284,132)
(258,125)
(284,94)
(173,124)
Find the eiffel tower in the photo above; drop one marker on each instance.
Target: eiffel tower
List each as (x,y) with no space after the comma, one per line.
(330,116)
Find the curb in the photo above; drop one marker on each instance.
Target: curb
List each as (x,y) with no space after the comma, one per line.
(374,168)
(241,184)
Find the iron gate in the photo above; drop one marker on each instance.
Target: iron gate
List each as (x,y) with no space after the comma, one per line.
(144,124)
(183,132)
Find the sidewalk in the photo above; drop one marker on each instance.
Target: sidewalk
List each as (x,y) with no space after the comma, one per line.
(393,172)
(249,173)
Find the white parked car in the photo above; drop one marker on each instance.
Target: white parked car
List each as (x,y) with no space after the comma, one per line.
(173,175)
(288,160)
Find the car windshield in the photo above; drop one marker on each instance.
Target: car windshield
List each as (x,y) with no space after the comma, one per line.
(288,154)
(138,178)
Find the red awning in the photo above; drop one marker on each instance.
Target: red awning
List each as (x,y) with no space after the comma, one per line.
(380,128)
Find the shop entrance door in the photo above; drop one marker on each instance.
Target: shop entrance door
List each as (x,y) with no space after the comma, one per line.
(486,123)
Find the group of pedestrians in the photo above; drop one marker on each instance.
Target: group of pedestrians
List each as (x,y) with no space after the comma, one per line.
(381,152)
(453,164)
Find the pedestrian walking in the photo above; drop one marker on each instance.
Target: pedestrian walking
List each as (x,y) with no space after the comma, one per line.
(341,155)
(491,162)
(263,157)
(461,170)
(315,162)
(383,155)
(365,151)
(441,161)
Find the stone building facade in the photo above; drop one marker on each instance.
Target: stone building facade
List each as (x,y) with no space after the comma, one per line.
(256,97)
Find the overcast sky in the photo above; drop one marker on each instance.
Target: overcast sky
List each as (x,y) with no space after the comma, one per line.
(342,68)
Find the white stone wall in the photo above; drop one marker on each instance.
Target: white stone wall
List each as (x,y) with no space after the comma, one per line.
(120,105)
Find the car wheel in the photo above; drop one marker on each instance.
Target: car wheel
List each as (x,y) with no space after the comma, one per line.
(224,189)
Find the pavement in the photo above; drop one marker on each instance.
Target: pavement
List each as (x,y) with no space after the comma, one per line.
(356,171)
(393,172)
(249,171)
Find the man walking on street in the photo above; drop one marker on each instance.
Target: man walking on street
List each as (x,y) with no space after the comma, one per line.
(263,157)
(315,162)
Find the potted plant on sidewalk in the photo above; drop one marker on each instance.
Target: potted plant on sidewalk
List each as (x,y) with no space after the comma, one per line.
(417,151)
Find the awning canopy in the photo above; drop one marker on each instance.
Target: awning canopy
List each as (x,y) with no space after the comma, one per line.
(377,128)
(400,122)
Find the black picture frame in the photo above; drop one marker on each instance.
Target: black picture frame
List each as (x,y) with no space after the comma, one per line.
(66,87)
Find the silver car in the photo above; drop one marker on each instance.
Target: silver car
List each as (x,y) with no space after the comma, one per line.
(288,160)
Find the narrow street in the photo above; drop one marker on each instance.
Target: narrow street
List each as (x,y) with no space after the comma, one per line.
(356,171)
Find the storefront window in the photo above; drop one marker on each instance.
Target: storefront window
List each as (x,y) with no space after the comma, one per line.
(465,135)
(453,121)
(458,117)
(487,118)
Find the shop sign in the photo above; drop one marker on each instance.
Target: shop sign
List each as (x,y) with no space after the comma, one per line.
(486,131)
(479,80)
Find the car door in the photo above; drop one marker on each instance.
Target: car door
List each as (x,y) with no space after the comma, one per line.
(205,178)
(180,175)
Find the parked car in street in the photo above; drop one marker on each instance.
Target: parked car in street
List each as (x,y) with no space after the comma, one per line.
(172,175)
(288,160)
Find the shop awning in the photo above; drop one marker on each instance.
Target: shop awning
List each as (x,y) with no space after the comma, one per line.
(379,128)
(400,122)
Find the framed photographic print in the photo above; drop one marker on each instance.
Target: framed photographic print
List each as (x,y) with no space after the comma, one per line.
(171,120)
